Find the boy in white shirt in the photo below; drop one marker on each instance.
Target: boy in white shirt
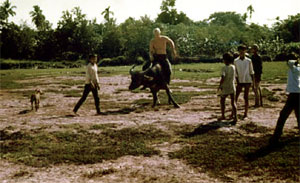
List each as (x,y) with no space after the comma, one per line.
(293,100)
(227,86)
(245,76)
(91,84)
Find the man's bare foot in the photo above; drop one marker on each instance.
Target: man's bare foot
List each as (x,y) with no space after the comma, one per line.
(221,118)
(231,116)
(234,121)
(100,113)
(245,117)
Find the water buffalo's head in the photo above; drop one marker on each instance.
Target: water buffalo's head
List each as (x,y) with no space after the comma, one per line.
(136,79)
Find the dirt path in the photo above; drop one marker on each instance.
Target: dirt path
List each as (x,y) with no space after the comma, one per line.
(56,110)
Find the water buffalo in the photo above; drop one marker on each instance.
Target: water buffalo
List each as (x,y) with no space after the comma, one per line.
(151,78)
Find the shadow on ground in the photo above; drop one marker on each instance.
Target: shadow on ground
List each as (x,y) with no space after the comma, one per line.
(202,129)
(25,111)
(243,151)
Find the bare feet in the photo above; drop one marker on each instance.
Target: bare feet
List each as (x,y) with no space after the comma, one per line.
(245,117)
(100,113)
(234,121)
(221,118)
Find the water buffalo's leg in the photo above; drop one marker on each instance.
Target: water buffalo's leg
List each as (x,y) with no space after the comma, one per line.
(171,98)
(158,101)
(154,94)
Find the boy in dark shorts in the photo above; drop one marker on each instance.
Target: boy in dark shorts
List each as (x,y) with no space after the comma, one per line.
(244,76)
(257,67)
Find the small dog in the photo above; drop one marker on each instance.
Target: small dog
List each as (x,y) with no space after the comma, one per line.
(35,98)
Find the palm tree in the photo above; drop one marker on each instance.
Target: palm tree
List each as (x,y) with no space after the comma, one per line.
(6,10)
(37,17)
(250,10)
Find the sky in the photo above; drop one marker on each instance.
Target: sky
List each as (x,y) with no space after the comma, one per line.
(265,11)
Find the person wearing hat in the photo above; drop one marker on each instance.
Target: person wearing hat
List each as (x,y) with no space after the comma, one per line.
(257,67)
(244,76)
(91,84)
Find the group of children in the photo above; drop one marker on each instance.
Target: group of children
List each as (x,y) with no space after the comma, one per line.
(245,72)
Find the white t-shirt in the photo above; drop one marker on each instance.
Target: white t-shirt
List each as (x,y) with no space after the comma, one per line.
(293,84)
(228,86)
(91,75)
(244,69)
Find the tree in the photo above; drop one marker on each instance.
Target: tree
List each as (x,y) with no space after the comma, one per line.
(76,35)
(225,18)
(250,10)
(6,10)
(169,14)
(39,19)
(136,35)
(18,42)
(107,13)
(288,29)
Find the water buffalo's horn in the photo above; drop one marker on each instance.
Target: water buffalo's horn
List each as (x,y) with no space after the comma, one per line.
(131,70)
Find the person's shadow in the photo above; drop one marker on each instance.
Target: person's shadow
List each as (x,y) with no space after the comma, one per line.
(269,148)
(25,111)
(202,129)
(125,110)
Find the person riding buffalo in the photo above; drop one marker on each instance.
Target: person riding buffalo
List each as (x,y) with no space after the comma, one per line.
(158,53)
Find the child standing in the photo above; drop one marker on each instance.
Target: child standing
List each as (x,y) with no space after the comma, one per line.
(91,84)
(245,76)
(227,85)
(257,66)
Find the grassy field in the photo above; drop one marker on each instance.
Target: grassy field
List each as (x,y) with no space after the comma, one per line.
(273,72)
(217,153)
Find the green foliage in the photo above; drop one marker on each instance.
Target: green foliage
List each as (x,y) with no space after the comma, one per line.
(169,14)
(120,60)
(76,36)
(107,14)
(30,64)
(226,18)
(6,10)
(289,29)
(39,19)
(135,37)
(77,147)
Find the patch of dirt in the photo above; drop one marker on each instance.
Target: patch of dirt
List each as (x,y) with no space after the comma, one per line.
(117,102)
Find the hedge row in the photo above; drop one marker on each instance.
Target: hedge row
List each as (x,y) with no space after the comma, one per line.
(26,64)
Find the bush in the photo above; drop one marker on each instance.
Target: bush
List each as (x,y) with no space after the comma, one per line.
(266,58)
(199,59)
(121,60)
(69,55)
(28,64)
(286,50)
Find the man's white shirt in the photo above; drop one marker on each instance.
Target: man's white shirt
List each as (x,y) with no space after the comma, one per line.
(244,69)
(91,75)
